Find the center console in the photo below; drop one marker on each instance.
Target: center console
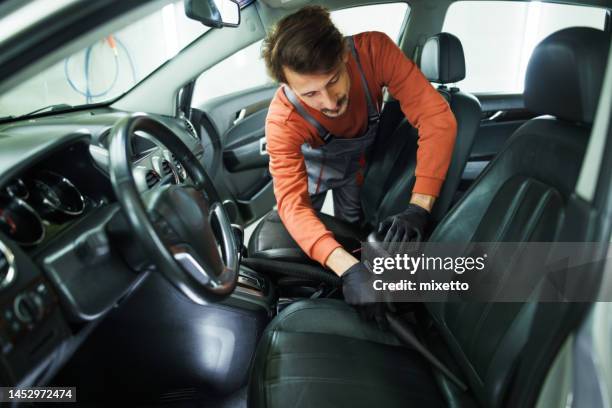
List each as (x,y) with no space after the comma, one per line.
(253,292)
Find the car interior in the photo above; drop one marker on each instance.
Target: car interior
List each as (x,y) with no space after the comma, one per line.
(143,262)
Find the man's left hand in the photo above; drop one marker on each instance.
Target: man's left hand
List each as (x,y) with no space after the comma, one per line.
(407,226)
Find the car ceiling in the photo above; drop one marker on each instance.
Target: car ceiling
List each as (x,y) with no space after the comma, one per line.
(295,4)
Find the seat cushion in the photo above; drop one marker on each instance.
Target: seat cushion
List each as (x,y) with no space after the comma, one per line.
(320,354)
(271,240)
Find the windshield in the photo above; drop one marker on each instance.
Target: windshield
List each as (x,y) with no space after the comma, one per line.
(110,66)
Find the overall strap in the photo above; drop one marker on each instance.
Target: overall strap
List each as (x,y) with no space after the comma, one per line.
(373,114)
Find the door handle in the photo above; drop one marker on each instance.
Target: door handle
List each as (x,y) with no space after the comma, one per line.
(494,116)
(249,110)
(240,115)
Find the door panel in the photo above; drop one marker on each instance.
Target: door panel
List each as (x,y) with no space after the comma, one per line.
(242,168)
(226,109)
(244,147)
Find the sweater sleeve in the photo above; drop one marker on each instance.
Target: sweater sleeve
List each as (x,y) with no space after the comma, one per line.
(424,108)
(291,190)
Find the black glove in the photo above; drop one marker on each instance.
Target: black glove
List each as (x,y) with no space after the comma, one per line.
(356,285)
(407,226)
(358,292)
(374,312)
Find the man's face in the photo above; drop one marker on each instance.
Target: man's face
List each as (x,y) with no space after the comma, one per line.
(326,92)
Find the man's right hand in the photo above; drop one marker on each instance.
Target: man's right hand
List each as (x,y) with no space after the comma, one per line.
(356,285)
(357,290)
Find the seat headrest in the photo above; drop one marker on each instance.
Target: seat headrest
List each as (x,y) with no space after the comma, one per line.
(565,74)
(442,59)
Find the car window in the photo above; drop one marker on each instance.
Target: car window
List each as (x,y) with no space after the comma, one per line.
(498,37)
(228,75)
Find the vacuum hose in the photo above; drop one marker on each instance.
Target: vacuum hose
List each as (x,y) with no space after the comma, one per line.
(297,270)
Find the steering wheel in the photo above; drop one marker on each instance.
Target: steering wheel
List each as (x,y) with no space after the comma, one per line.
(183,227)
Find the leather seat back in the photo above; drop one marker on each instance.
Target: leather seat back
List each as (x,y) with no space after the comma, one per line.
(390,176)
(522,196)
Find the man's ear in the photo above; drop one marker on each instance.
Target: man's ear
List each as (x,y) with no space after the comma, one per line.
(345,55)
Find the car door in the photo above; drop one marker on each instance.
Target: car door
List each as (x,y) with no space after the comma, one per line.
(230,110)
(236,124)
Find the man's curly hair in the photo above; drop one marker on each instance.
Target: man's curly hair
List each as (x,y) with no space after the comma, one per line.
(306,42)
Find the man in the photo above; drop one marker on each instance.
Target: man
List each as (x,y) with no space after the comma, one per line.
(323,120)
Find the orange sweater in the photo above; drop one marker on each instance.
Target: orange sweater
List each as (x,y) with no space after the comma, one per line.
(383,64)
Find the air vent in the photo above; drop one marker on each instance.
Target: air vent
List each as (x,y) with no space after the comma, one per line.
(166,167)
(191,128)
(7,266)
(152,178)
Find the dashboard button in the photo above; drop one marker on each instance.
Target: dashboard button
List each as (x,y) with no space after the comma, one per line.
(28,307)
(8,314)
(15,327)
(45,294)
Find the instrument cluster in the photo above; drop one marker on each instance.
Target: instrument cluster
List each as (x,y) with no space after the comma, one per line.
(31,205)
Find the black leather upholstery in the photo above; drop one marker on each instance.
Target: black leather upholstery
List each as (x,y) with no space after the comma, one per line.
(522,196)
(271,240)
(320,354)
(442,59)
(390,174)
(467,110)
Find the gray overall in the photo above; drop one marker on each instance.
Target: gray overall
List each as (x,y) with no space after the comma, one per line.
(335,164)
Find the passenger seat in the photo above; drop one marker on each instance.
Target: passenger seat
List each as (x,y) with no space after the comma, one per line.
(390,174)
(319,353)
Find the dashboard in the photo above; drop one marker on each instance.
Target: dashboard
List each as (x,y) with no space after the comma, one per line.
(66,254)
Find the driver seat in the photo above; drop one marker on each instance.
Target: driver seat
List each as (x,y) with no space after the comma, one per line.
(319,353)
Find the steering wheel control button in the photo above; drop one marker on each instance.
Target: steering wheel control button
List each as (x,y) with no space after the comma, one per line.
(163,227)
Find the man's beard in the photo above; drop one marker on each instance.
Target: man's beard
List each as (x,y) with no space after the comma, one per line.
(333,113)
